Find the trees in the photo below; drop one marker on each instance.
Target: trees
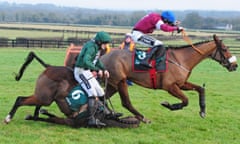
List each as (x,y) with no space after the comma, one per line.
(45,13)
(193,21)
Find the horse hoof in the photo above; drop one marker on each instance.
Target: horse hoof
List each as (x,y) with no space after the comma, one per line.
(7,119)
(202,114)
(165,104)
(6,122)
(146,121)
(143,119)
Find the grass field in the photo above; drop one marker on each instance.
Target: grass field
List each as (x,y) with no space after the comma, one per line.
(221,125)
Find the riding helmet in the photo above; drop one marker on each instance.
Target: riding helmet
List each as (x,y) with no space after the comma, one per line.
(102,37)
(168,16)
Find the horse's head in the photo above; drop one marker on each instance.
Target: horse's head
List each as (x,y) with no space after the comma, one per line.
(223,55)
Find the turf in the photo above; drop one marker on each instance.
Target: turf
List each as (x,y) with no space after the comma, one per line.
(221,125)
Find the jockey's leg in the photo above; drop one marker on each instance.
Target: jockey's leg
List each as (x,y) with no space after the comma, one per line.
(153,54)
(156,51)
(92,108)
(91,87)
(155,45)
(103,103)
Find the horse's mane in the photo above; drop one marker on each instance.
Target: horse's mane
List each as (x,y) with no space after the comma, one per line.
(186,46)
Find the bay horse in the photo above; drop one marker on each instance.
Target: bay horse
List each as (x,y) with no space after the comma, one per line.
(53,85)
(181,61)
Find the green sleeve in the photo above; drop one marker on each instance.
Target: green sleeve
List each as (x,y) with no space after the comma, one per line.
(88,58)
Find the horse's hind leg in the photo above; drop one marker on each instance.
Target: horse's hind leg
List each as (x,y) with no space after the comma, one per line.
(176,91)
(20,101)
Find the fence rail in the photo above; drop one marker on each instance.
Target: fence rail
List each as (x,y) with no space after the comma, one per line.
(42,43)
(47,43)
(58,43)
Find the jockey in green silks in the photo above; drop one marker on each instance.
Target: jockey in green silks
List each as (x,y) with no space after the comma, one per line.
(87,66)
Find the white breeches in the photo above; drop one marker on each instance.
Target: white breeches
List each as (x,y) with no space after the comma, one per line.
(88,82)
(144,39)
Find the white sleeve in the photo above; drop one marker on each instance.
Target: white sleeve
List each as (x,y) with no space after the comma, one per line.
(158,24)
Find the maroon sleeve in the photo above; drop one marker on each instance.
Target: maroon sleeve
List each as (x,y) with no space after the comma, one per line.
(168,28)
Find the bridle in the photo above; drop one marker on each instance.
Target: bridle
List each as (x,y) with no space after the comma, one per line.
(220,50)
(223,60)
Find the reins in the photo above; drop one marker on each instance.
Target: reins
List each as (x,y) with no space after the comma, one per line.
(188,40)
(105,88)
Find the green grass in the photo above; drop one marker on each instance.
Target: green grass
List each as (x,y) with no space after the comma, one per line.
(221,125)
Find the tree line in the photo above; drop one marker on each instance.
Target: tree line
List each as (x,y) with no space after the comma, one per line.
(48,13)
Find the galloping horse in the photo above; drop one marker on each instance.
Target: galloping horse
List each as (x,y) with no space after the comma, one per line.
(53,85)
(181,61)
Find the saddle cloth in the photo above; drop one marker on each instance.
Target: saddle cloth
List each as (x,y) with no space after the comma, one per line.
(76,98)
(159,63)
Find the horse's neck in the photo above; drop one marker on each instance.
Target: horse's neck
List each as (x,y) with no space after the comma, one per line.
(190,57)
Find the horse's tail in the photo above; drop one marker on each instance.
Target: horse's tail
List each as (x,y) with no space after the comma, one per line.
(28,60)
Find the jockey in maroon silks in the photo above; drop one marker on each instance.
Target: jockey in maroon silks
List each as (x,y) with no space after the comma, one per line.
(146,25)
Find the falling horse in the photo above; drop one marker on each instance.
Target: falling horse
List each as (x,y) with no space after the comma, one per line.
(54,85)
(181,61)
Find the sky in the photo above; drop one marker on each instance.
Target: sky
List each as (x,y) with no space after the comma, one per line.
(219,5)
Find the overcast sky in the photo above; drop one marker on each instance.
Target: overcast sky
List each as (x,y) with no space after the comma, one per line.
(143,4)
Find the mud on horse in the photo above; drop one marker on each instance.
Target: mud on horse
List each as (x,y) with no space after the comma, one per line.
(181,61)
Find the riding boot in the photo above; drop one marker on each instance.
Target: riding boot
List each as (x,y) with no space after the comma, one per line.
(92,108)
(154,53)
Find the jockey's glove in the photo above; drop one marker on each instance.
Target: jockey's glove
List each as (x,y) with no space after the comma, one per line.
(180,29)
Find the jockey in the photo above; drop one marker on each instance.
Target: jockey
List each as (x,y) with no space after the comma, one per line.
(87,65)
(146,25)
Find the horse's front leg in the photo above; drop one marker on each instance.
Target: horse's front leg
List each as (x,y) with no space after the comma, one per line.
(176,92)
(201,92)
(126,102)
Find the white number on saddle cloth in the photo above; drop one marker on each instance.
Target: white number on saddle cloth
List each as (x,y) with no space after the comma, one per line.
(141,55)
(77,94)
(76,98)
